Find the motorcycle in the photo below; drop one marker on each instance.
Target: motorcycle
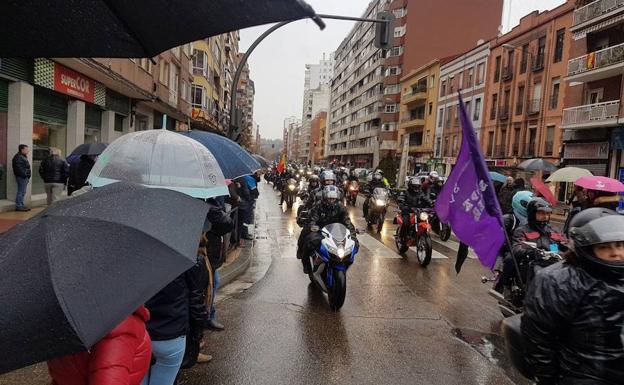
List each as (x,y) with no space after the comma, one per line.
(377,208)
(510,296)
(353,189)
(291,189)
(443,230)
(417,235)
(331,261)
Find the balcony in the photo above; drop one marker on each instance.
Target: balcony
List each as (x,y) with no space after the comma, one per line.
(414,95)
(598,11)
(499,151)
(503,114)
(410,119)
(534,106)
(592,115)
(508,73)
(597,65)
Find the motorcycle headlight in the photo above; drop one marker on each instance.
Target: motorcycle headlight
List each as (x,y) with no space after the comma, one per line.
(292,187)
(340,252)
(423,216)
(351,188)
(309,173)
(380,202)
(297,175)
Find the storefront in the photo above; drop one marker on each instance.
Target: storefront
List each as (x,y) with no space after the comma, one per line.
(93,124)
(592,156)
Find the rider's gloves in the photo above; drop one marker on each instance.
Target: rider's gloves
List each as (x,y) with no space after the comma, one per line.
(314,228)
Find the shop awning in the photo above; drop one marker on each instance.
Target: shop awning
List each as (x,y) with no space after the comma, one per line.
(129,28)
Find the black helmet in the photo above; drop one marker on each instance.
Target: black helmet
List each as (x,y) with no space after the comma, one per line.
(330,192)
(377,176)
(313,181)
(535,205)
(414,183)
(595,226)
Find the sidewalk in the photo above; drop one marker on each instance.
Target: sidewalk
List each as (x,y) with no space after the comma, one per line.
(11,218)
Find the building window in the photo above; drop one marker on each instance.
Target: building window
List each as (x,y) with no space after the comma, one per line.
(394,70)
(164,73)
(524,58)
(468,105)
(494,106)
(480,73)
(119,122)
(550,137)
(440,117)
(559,45)
(443,88)
(497,70)
(554,97)
(520,103)
(400,12)
(541,51)
(390,108)
(470,77)
(477,109)
(399,31)
(146,64)
(197,96)
(430,108)
(200,63)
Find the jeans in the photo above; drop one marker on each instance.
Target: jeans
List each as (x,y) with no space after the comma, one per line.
(53,192)
(22,185)
(169,355)
(215,278)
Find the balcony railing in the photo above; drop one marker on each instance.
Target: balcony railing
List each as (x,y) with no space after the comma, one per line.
(553,102)
(515,149)
(519,108)
(591,113)
(596,60)
(499,151)
(596,9)
(503,113)
(548,148)
(534,106)
(508,73)
(529,149)
(538,63)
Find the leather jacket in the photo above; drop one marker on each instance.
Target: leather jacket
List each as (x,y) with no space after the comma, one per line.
(321,216)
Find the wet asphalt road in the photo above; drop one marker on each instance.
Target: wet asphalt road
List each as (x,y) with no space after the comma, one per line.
(400,324)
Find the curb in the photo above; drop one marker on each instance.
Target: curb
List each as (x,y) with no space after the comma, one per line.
(230,272)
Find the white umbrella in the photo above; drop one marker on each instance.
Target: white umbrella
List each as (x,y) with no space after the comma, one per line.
(568,174)
(163,159)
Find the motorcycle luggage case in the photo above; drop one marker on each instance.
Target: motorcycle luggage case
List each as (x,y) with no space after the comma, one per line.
(514,344)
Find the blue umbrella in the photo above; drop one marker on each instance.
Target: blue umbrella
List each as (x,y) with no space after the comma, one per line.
(498,177)
(234,160)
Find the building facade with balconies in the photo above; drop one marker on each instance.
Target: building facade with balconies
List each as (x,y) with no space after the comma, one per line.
(419,92)
(525,89)
(465,72)
(593,118)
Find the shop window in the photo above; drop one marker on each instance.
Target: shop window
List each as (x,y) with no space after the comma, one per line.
(119,122)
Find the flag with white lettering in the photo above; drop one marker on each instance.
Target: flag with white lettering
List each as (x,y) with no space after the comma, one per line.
(468,201)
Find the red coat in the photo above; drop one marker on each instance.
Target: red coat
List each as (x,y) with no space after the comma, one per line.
(122,357)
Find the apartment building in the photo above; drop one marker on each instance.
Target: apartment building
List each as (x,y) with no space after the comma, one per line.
(524,103)
(214,62)
(292,126)
(63,103)
(593,120)
(466,73)
(418,118)
(244,102)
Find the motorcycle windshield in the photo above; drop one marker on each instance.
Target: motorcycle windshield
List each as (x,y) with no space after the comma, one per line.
(380,193)
(338,231)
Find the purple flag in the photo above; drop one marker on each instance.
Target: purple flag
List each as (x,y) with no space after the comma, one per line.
(468,200)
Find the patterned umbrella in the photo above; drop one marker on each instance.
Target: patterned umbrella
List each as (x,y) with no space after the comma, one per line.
(537,164)
(600,183)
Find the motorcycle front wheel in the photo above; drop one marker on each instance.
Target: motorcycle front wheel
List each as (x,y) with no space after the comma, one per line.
(445,232)
(380,223)
(424,250)
(401,244)
(338,292)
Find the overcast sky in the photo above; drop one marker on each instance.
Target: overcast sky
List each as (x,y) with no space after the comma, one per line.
(278,63)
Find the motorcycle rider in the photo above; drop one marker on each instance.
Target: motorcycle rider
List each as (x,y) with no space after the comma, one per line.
(327,211)
(573,321)
(430,181)
(353,177)
(537,230)
(414,198)
(511,222)
(283,183)
(376,182)
(327,179)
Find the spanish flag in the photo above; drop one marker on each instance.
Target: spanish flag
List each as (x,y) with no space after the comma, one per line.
(282,164)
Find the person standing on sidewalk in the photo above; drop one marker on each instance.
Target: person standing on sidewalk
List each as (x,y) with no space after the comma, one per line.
(21,169)
(54,171)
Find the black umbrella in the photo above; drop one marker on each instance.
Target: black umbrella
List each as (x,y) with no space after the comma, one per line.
(129,28)
(69,275)
(262,160)
(537,164)
(89,149)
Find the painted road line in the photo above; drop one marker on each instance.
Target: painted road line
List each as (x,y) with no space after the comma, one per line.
(453,246)
(376,248)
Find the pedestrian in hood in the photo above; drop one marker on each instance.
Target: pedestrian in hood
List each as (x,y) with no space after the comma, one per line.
(573,316)
(122,357)
(54,171)
(505,195)
(22,172)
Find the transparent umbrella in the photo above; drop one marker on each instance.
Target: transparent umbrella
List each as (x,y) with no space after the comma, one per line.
(160,158)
